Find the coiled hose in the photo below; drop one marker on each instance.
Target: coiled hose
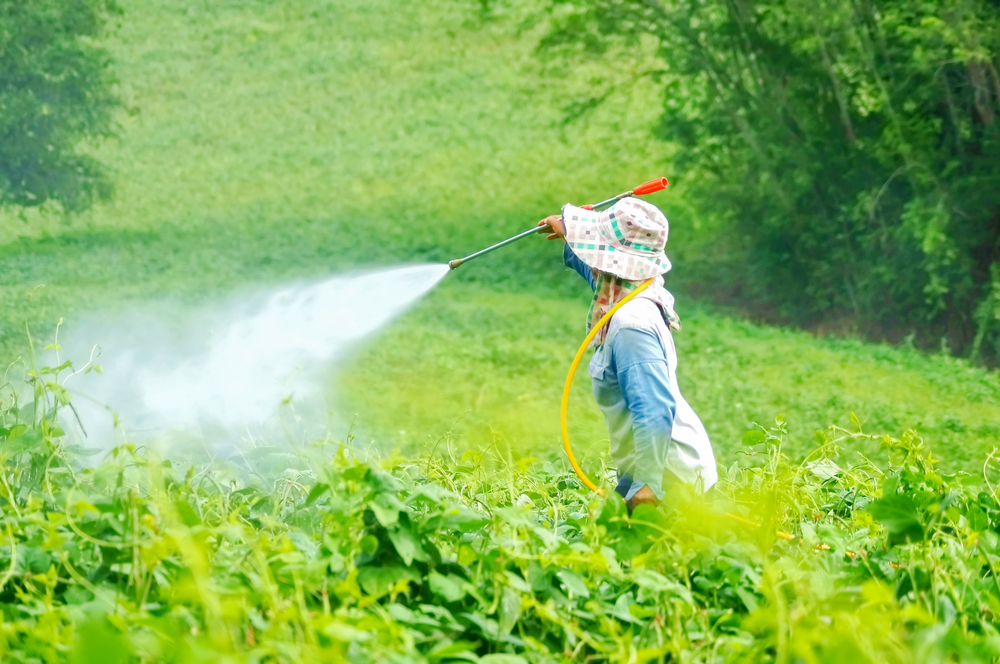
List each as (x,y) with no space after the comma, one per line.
(569,383)
(565,407)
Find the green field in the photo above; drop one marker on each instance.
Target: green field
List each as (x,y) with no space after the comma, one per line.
(462,363)
(271,141)
(267,142)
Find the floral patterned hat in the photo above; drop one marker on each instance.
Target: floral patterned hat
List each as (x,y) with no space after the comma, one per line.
(626,240)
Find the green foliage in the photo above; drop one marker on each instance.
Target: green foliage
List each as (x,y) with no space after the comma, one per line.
(313,554)
(846,151)
(56,91)
(269,133)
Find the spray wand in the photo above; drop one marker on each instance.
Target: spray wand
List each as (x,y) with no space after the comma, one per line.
(641,190)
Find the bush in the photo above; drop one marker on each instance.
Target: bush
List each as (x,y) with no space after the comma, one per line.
(56,89)
(844,152)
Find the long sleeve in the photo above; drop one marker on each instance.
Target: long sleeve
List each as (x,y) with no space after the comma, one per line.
(644,377)
(571,260)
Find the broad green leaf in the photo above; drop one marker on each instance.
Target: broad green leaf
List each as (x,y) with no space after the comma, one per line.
(515,581)
(77,595)
(357,473)
(60,393)
(489,627)
(378,581)
(447,587)
(825,469)
(384,482)
(629,545)
(450,651)
(749,599)
(656,582)
(403,614)
(509,611)
(316,492)
(304,543)
(368,544)
(407,545)
(385,515)
(432,492)
(466,555)
(462,519)
(649,524)
(345,633)
(642,612)
(622,608)
(978,519)
(898,515)
(442,614)
(573,583)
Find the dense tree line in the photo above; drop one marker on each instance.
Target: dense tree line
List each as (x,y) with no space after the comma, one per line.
(850,150)
(56,89)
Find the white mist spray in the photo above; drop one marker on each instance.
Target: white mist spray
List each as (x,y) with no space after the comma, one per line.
(222,372)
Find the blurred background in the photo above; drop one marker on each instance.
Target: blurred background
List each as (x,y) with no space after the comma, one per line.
(834,198)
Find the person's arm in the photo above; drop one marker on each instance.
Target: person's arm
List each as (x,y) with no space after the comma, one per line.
(573,261)
(645,383)
(557,231)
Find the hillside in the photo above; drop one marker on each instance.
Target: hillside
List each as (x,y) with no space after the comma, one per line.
(270,141)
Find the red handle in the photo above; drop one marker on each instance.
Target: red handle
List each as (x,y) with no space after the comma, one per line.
(586,207)
(650,187)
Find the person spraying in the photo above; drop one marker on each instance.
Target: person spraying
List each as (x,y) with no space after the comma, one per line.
(655,435)
(617,246)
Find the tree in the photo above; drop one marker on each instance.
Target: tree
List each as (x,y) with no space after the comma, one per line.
(849,149)
(56,89)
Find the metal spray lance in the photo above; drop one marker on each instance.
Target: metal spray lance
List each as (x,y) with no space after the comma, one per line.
(641,190)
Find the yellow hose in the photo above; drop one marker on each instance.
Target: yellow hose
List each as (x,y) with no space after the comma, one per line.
(569,383)
(565,407)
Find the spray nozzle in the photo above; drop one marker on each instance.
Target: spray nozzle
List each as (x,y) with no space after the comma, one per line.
(641,190)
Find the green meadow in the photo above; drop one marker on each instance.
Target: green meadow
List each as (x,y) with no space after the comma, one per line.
(269,141)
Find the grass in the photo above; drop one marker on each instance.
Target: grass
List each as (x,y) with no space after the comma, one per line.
(488,367)
(269,141)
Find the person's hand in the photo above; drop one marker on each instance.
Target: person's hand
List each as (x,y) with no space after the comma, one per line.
(553,225)
(643,496)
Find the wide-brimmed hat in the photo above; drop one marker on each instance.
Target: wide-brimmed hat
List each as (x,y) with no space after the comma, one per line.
(626,240)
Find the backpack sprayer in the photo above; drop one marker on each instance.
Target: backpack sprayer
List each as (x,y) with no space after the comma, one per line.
(641,190)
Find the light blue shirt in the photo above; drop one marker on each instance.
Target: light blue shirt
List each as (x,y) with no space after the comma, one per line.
(633,387)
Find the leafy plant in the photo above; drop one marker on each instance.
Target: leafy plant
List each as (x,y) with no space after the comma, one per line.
(57,91)
(315,554)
